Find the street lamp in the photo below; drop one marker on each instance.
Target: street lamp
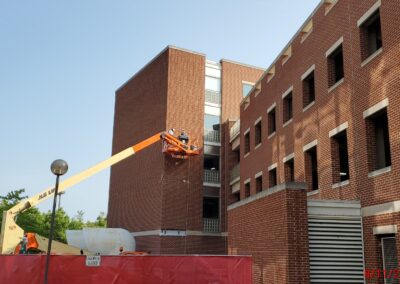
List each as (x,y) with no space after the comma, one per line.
(58,167)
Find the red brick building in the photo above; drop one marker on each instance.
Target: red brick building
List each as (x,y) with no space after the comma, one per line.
(316,196)
(175,206)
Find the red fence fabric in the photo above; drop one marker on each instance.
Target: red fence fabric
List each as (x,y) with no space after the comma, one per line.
(16,269)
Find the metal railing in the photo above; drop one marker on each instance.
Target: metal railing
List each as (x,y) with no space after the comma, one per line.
(235,129)
(213,97)
(234,173)
(211,176)
(211,225)
(212,136)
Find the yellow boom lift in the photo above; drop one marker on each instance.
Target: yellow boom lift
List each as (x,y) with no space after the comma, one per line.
(12,234)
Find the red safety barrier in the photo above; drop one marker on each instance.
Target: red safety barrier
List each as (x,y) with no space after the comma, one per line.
(16,269)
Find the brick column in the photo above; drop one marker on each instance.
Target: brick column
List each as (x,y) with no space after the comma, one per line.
(272,227)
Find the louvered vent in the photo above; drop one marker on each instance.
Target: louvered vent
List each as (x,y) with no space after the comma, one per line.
(336,252)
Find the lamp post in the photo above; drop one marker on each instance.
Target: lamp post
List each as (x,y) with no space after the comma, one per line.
(58,167)
(59,199)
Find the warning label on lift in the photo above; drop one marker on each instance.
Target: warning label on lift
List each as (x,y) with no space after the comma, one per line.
(93,260)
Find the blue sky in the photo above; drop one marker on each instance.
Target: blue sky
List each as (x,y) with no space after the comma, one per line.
(61,62)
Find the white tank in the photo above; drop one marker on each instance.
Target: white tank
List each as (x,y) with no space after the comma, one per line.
(106,241)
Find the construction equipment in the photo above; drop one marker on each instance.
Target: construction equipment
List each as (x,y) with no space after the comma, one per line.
(12,234)
(36,244)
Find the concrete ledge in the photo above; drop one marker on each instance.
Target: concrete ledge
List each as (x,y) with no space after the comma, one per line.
(371,57)
(287,122)
(288,157)
(208,234)
(308,106)
(314,192)
(375,108)
(334,208)
(270,191)
(379,172)
(271,135)
(177,233)
(383,230)
(334,86)
(340,184)
(380,209)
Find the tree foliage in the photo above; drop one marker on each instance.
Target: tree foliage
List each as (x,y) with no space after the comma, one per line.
(32,220)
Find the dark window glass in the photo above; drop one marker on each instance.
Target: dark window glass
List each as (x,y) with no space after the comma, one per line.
(271,122)
(210,207)
(288,107)
(335,66)
(308,90)
(371,35)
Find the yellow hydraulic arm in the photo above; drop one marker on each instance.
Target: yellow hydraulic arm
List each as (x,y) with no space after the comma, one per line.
(11,233)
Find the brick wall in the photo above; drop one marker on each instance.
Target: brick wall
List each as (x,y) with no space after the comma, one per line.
(233,74)
(135,184)
(182,179)
(273,229)
(362,88)
(152,191)
(364,85)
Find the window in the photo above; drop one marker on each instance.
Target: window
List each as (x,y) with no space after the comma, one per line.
(210,207)
(340,157)
(213,84)
(246,88)
(308,89)
(211,122)
(247,143)
(212,97)
(289,170)
(370,35)
(311,169)
(211,169)
(288,107)
(272,177)
(335,66)
(378,144)
(259,184)
(389,259)
(271,121)
(211,163)
(246,190)
(257,133)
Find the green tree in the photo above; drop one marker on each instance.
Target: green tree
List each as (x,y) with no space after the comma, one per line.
(101,221)
(61,224)
(76,222)
(30,220)
(12,198)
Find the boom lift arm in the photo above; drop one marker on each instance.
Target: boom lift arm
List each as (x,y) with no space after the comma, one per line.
(11,233)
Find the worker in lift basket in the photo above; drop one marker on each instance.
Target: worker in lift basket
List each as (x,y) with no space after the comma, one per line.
(183,137)
(23,244)
(171,131)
